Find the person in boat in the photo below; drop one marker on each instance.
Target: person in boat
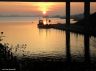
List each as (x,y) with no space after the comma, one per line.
(41,22)
(49,20)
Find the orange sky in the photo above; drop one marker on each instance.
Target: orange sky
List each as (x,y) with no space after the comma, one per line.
(24,7)
(37,8)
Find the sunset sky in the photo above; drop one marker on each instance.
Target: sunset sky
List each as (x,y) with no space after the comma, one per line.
(38,8)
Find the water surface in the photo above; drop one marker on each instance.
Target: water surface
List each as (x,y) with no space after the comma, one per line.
(27,40)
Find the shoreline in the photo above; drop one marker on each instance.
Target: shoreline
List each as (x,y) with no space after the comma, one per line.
(71,28)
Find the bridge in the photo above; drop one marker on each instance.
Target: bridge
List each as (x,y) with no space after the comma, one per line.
(49,0)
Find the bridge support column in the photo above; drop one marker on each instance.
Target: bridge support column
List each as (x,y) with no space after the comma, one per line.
(86,8)
(86,37)
(68,12)
(68,52)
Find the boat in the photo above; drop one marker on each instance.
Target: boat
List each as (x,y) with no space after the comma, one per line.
(42,25)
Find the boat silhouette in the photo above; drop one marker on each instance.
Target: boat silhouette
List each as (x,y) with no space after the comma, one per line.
(42,25)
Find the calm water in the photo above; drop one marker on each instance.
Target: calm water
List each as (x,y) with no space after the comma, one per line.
(27,40)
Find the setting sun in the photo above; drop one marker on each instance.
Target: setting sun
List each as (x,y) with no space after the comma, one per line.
(44,12)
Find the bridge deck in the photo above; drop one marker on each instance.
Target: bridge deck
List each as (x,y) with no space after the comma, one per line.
(49,0)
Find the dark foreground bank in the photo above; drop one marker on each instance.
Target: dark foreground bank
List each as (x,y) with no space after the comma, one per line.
(10,63)
(7,60)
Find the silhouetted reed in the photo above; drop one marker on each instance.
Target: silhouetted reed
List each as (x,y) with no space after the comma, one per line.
(7,60)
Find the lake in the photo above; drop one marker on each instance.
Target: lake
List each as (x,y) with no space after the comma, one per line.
(25,39)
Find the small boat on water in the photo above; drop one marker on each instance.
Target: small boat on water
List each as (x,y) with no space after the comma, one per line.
(42,25)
